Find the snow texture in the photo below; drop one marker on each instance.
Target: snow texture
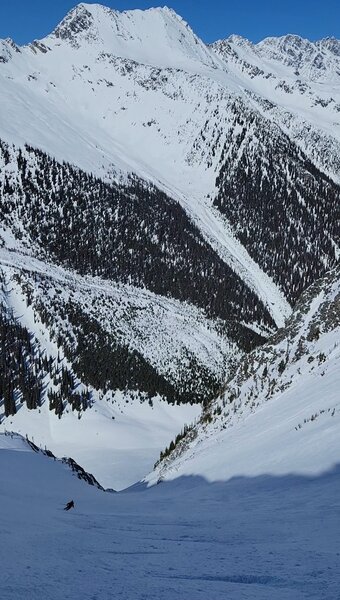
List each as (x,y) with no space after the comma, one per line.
(263,538)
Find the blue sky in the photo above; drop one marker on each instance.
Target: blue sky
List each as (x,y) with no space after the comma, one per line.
(24,20)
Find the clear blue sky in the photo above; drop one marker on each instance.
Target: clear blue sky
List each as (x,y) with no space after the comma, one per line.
(25,20)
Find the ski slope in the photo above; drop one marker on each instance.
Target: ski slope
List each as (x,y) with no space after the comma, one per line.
(264,538)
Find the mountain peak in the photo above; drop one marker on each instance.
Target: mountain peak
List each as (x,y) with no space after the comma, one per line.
(291,46)
(331,44)
(85,17)
(286,42)
(238,40)
(77,20)
(157,36)
(315,60)
(7,47)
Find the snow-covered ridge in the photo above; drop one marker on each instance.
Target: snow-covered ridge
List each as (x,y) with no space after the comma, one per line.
(7,49)
(318,60)
(15,442)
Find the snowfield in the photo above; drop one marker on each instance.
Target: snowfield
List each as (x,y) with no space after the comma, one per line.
(116,443)
(262,538)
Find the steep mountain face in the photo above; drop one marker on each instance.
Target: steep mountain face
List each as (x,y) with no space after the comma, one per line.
(163,204)
(131,233)
(318,61)
(294,234)
(279,412)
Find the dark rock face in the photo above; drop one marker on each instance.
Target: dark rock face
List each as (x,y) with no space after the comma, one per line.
(76,21)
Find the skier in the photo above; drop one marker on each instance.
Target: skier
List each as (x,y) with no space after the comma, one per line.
(69,505)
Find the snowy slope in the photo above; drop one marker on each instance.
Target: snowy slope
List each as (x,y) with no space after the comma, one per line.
(257,539)
(147,72)
(157,36)
(279,413)
(114,63)
(118,444)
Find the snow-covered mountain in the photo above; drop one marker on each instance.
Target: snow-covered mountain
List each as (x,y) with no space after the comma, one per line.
(115,93)
(163,204)
(280,411)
